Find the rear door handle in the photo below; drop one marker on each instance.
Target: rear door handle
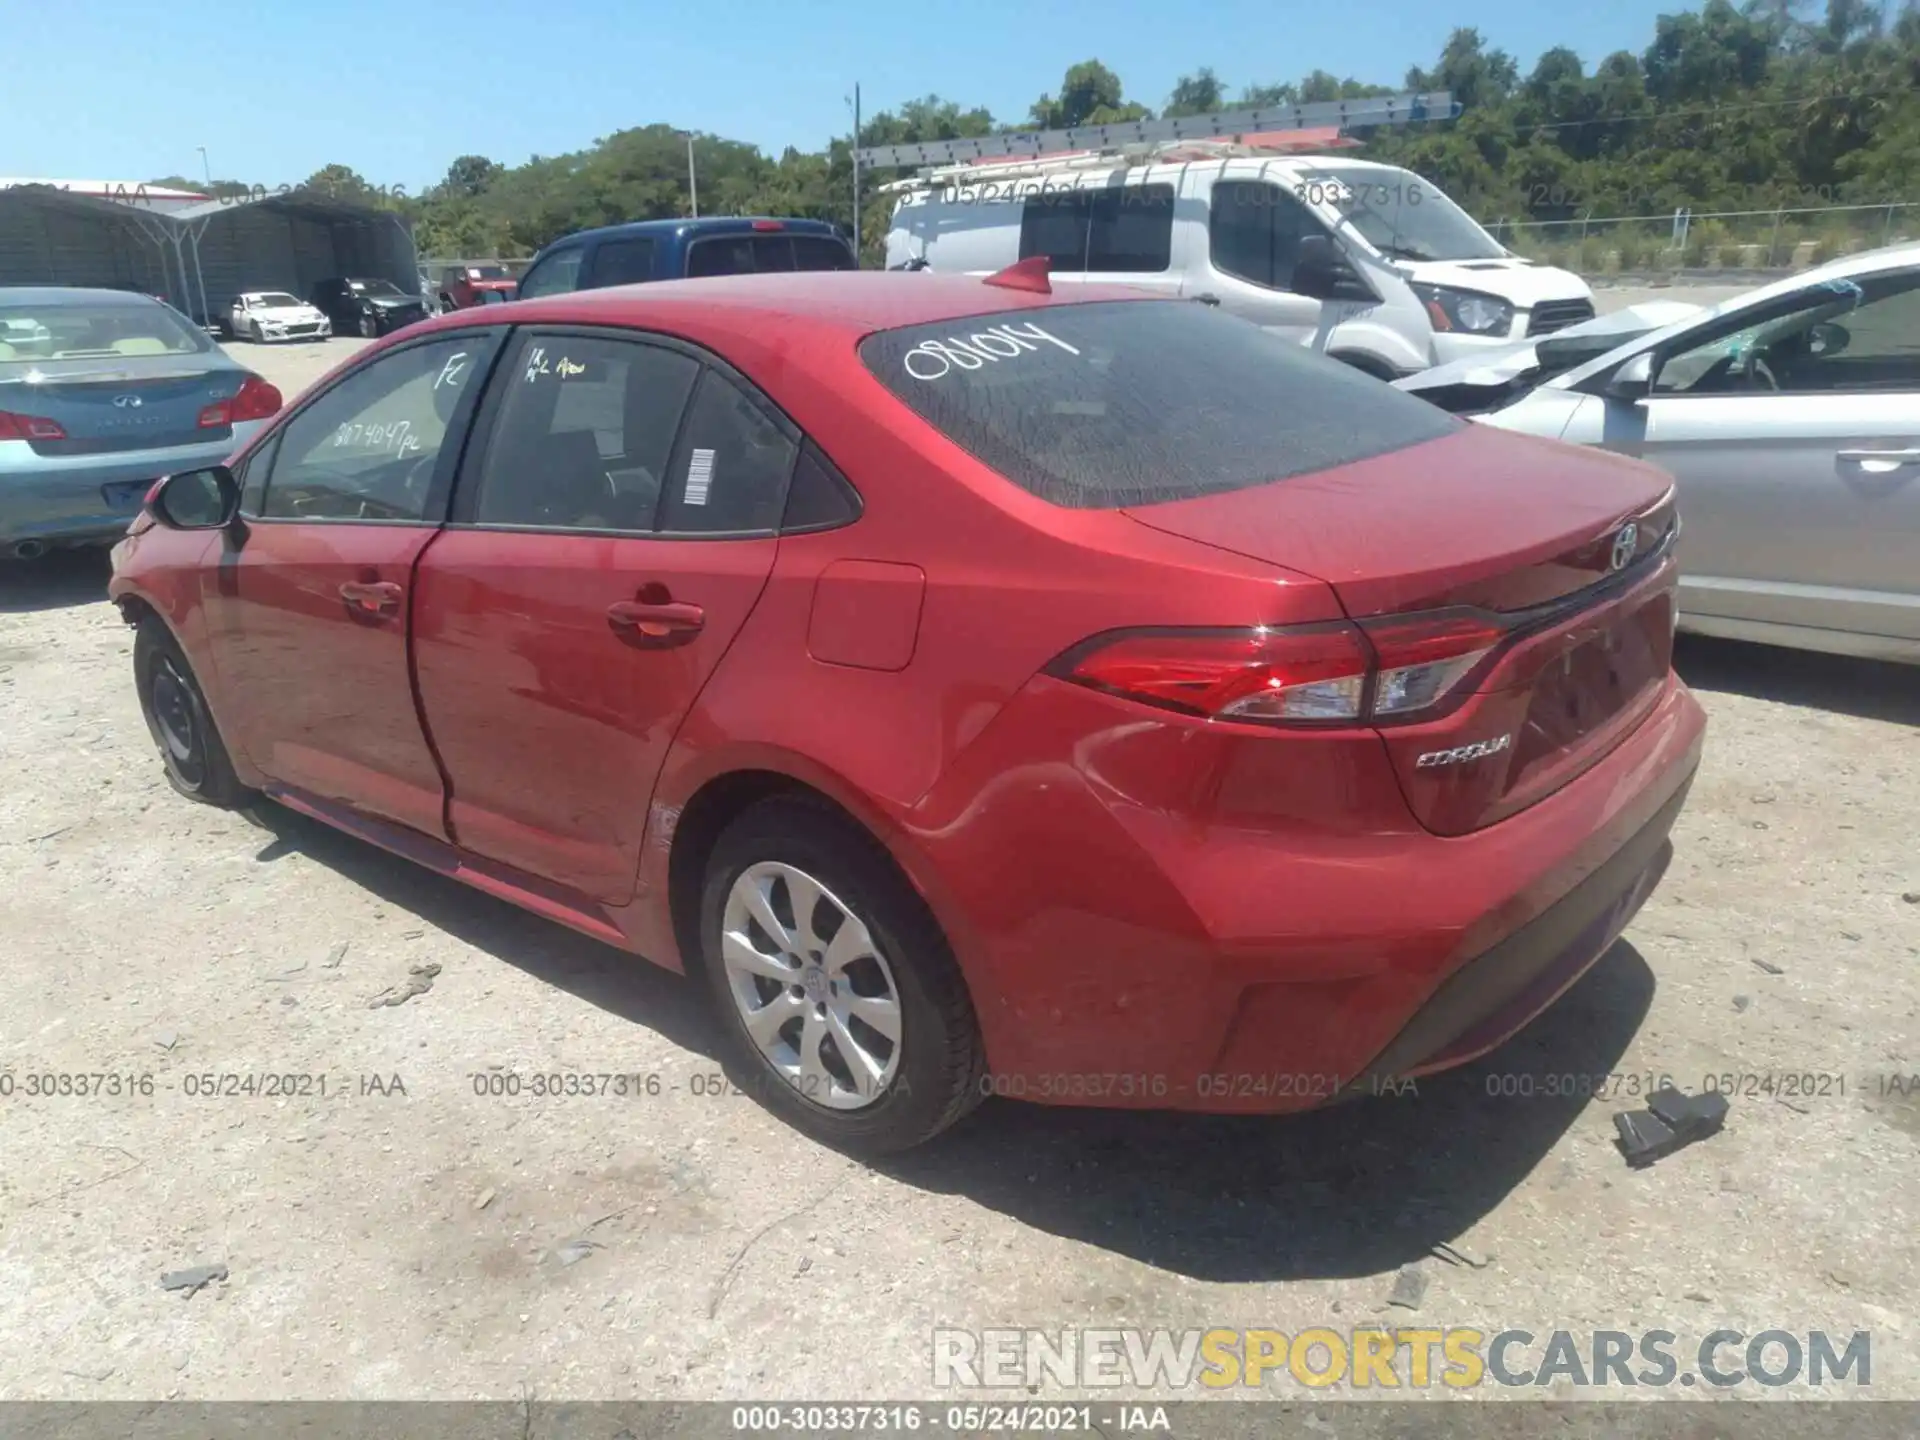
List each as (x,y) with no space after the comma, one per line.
(1881,457)
(655,626)
(372,597)
(1208,299)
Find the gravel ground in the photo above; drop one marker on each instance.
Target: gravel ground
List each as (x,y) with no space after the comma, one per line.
(406,1235)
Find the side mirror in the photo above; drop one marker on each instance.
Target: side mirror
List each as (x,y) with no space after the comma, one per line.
(1322,271)
(1633,381)
(195,499)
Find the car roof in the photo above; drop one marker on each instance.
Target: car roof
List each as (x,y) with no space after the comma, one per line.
(846,303)
(711,225)
(69,294)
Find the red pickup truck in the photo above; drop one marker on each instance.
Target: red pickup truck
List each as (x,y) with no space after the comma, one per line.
(465,285)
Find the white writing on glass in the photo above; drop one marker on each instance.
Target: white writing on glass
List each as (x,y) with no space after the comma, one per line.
(452,371)
(931,359)
(395,435)
(537,364)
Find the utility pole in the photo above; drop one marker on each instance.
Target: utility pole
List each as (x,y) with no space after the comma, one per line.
(205,168)
(856,173)
(693,182)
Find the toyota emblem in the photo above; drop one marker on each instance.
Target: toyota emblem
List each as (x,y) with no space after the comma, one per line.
(1625,540)
(126,402)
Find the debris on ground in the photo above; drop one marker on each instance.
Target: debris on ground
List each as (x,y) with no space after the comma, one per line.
(334,957)
(286,974)
(484,1199)
(574,1251)
(1461,1255)
(1741,1002)
(1912,897)
(167,1039)
(1768,966)
(193,1280)
(1409,1288)
(419,981)
(1670,1122)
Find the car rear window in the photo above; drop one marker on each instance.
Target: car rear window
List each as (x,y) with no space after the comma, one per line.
(1116,403)
(757,254)
(107,330)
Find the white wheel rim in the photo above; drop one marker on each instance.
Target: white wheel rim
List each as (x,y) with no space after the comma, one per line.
(815,995)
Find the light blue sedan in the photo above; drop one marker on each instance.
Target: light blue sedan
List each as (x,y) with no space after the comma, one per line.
(101,393)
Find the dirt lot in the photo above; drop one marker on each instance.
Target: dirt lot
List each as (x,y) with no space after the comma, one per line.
(415,1238)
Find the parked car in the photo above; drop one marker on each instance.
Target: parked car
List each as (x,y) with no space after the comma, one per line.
(675,249)
(263,316)
(465,285)
(1790,416)
(1373,264)
(367,307)
(101,393)
(974,687)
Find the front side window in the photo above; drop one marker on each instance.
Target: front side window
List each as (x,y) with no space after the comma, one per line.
(1254,230)
(584,434)
(368,448)
(555,275)
(1401,215)
(1121,403)
(1845,336)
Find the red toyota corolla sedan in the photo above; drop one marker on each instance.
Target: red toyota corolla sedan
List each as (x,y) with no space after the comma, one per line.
(1083,697)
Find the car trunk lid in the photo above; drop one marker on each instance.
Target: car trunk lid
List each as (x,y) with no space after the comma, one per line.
(1564,553)
(107,404)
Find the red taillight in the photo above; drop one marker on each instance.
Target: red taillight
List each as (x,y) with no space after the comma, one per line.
(255,400)
(768,225)
(29,427)
(1337,674)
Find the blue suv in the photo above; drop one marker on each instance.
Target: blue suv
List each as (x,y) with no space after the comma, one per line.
(677,249)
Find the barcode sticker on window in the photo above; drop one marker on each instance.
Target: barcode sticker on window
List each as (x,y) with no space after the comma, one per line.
(699,477)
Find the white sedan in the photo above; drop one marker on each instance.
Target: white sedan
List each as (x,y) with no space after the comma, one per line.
(266,315)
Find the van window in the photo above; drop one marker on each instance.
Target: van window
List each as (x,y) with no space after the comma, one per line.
(1120,228)
(1133,402)
(1254,230)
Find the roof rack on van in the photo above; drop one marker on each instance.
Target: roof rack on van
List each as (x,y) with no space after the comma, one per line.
(1096,144)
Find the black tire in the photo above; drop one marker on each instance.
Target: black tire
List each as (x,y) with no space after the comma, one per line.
(256,334)
(369,327)
(182,727)
(942,1062)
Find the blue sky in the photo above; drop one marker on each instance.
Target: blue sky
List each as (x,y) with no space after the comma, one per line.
(396,90)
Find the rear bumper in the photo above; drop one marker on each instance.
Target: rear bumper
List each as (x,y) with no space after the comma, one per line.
(64,501)
(1133,961)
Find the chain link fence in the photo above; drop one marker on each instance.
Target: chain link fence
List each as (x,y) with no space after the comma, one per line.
(1703,243)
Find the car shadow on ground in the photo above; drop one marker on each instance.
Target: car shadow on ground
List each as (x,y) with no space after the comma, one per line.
(1868,689)
(57,580)
(619,983)
(1355,1189)
(1351,1190)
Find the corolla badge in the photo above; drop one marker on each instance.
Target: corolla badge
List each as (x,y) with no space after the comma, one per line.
(1625,541)
(1462,753)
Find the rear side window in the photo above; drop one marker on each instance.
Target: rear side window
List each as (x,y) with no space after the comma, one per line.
(623,262)
(1135,402)
(730,470)
(1122,228)
(760,253)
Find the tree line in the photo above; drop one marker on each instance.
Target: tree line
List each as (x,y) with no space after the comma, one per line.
(1753,107)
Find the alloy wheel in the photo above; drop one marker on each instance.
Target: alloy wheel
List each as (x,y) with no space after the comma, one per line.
(813,992)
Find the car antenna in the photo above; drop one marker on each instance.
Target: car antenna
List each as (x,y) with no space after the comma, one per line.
(1029,274)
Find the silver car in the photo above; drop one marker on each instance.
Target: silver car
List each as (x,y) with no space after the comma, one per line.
(1790,417)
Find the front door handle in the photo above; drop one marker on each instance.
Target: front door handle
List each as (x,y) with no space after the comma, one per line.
(655,626)
(1880,457)
(372,597)
(1208,299)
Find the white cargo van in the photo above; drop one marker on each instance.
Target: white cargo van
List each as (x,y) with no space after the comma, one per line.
(1369,262)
